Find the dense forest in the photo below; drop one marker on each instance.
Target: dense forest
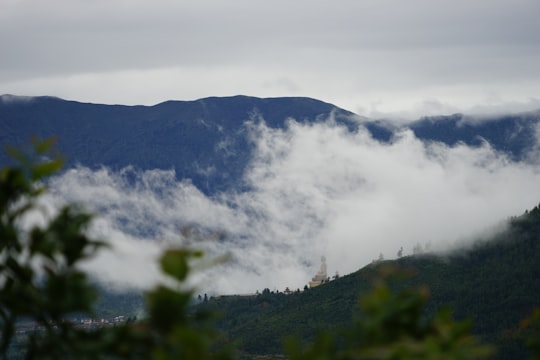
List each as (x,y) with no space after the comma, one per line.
(494,283)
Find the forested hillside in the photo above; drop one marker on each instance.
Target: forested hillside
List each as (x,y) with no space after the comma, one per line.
(495,283)
(204,140)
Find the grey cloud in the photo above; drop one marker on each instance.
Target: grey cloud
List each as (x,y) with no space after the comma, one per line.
(79,36)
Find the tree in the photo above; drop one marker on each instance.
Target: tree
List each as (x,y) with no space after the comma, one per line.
(40,278)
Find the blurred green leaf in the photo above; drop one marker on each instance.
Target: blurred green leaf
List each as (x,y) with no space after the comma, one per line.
(174,262)
(46,168)
(42,146)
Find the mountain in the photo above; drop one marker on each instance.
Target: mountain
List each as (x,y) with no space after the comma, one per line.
(515,135)
(494,283)
(205,140)
(208,140)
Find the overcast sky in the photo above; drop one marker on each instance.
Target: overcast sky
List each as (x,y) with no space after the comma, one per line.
(403,58)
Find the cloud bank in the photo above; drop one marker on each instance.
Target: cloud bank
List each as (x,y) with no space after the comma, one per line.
(313,190)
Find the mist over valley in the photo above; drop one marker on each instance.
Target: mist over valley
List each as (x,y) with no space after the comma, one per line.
(276,183)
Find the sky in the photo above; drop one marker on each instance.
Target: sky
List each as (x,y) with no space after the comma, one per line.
(398,59)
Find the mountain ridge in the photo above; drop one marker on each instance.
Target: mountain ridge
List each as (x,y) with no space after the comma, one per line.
(206,140)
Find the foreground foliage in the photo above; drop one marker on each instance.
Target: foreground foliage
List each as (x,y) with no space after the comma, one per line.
(41,282)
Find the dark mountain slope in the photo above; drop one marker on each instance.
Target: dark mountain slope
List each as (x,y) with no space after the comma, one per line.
(513,134)
(495,284)
(204,140)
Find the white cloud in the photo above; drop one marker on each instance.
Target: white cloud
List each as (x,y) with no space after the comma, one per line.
(315,190)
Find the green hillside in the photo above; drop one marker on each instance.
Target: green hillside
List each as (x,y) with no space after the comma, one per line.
(495,283)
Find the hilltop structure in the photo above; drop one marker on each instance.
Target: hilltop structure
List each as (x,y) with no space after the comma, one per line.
(321,276)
